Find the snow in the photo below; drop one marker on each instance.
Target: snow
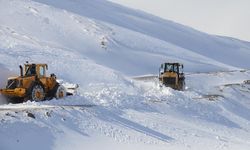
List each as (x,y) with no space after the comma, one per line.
(102,47)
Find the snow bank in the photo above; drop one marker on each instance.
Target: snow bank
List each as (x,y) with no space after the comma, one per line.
(5,73)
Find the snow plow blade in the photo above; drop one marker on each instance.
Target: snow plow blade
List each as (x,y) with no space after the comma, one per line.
(247,82)
(71,89)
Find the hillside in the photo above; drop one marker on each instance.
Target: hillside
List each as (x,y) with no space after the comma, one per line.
(101,46)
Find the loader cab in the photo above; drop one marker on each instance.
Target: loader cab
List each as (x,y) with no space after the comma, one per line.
(35,70)
(171,67)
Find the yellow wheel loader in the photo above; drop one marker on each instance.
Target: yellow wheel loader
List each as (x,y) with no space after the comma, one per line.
(171,75)
(33,84)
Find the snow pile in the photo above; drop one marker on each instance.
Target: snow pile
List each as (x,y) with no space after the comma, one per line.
(5,73)
(2,100)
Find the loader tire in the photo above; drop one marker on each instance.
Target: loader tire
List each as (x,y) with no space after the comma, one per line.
(37,93)
(60,92)
(183,86)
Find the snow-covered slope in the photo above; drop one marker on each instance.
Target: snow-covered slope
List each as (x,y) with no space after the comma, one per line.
(81,27)
(99,45)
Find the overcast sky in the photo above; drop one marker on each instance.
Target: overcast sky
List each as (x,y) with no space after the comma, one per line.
(221,17)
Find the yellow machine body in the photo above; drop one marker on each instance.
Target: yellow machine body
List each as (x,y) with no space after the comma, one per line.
(32,74)
(171,75)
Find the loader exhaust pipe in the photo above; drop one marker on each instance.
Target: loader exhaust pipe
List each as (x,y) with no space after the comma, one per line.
(21,71)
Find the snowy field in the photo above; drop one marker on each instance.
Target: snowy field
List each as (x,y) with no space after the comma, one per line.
(102,46)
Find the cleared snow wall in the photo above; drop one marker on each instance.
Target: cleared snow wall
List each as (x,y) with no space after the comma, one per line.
(4,74)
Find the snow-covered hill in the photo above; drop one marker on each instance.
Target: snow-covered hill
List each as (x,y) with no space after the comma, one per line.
(100,45)
(80,27)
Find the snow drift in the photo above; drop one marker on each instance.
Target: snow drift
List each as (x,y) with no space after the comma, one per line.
(5,73)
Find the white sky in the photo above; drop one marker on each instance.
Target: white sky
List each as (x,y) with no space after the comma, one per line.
(221,17)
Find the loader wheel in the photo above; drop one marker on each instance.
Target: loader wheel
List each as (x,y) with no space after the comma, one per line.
(182,85)
(60,92)
(37,93)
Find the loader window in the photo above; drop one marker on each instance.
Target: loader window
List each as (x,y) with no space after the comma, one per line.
(175,68)
(41,71)
(161,70)
(168,67)
(181,69)
(31,70)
